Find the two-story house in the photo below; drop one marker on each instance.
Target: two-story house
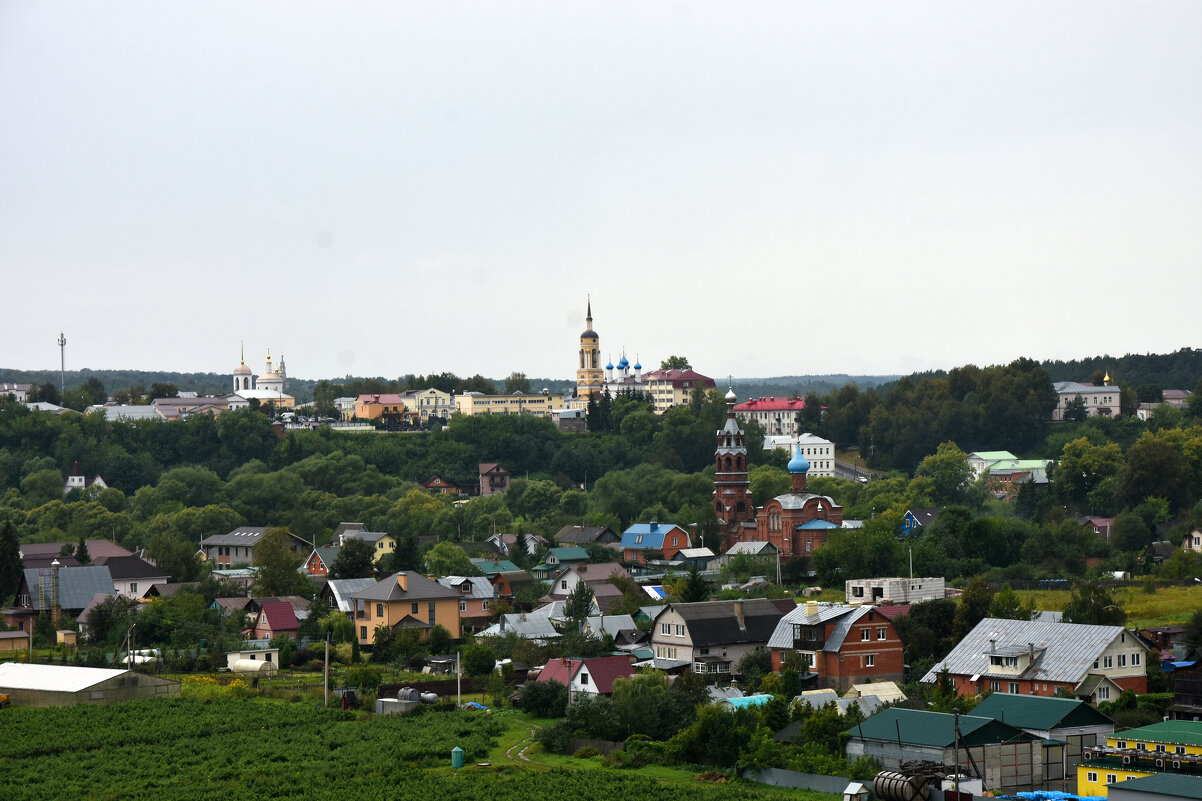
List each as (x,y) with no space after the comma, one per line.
(477,599)
(664,538)
(1172,748)
(133,576)
(237,548)
(1033,657)
(382,544)
(843,645)
(712,636)
(405,600)
(556,559)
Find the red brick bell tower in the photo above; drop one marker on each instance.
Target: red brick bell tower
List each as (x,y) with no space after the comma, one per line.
(732,489)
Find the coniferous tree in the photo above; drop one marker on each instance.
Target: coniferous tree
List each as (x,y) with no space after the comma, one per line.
(10,562)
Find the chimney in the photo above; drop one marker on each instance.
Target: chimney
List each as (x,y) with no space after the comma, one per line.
(992,645)
(653,526)
(402,581)
(811,608)
(502,622)
(738,608)
(1031,651)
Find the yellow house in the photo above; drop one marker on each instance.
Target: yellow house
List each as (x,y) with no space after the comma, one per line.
(429,404)
(376,407)
(405,600)
(382,543)
(1174,746)
(540,404)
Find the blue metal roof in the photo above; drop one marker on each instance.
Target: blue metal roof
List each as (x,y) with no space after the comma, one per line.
(649,536)
(816,524)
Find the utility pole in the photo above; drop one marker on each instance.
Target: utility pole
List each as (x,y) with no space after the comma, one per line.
(325,682)
(62,365)
(458,681)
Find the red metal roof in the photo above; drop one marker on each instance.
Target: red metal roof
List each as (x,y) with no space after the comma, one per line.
(602,671)
(280,616)
(776,403)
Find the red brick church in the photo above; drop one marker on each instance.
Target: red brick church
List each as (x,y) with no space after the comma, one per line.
(797,523)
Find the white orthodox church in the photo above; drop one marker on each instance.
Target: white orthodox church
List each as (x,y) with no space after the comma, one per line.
(268,387)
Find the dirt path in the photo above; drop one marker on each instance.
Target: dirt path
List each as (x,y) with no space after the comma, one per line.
(523,744)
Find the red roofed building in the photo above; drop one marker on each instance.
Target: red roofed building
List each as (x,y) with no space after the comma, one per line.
(389,408)
(587,676)
(777,414)
(275,618)
(670,388)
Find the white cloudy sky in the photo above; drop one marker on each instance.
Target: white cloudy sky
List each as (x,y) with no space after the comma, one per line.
(767,188)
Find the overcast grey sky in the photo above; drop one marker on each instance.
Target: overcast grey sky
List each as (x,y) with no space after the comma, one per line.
(767,188)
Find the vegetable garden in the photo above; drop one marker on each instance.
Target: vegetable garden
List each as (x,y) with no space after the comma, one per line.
(226,749)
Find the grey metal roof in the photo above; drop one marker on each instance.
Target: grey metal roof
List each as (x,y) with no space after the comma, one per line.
(796,500)
(1065,652)
(243,535)
(344,589)
(481,587)
(752,547)
(534,625)
(839,633)
(76,585)
(782,636)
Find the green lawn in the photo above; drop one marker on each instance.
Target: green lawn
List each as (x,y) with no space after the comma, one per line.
(1167,606)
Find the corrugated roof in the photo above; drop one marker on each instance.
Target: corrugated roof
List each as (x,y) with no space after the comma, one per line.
(132,567)
(1039,712)
(938,729)
(53,678)
(344,590)
(1176,784)
(481,587)
(76,585)
(1065,652)
(1179,732)
(650,536)
(782,636)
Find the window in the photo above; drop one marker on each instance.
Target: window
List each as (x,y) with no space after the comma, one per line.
(870,660)
(1122,660)
(865,635)
(1013,688)
(563,585)
(1141,746)
(1135,660)
(880,633)
(679,629)
(675,540)
(857,592)
(485,605)
(1121,744)
(363,632)
(583,677)
(1179,749)
(1107,662)
(1110,778)
(379,610)
(413,609)
(1091,776)
(665,629)
(463,606)
(1104,695)
(430,609)
(1160,749)
(995,686)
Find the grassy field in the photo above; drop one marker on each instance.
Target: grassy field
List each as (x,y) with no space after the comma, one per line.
(1167,606)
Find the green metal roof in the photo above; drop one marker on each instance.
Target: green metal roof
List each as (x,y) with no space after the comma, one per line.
(919,727)
(1176,784)
(1039,712)
(1176,732)
(570,553)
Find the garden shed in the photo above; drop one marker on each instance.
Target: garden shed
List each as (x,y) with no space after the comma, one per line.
(60,685)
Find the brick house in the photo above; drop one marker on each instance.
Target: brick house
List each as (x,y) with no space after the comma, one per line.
(845,645)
